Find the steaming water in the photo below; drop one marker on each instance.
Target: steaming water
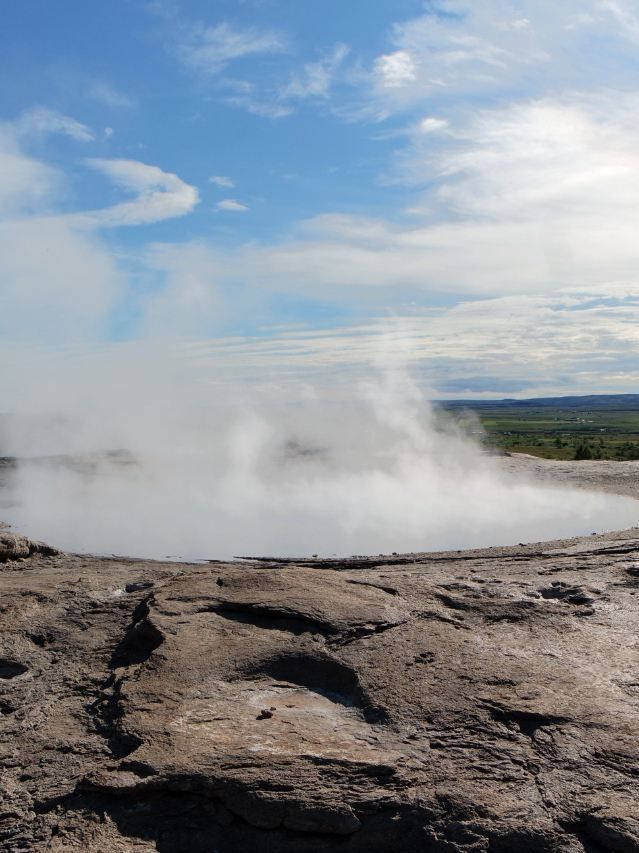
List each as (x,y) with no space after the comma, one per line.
(202,480)
(188,508)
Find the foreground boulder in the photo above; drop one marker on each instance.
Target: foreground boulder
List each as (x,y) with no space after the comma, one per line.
(482,701)
(15,547)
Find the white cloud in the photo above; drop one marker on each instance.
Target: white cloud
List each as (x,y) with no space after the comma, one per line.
(56,283)
(188,301)
(58,279)
(264,109)
(534,46)
(40,120)
(265,104)
(574,341)
(577,158)
(626,15)
(106,94)
(222,181)
(521,213)
(160,195)
(395,69)
(518,200)
(517,24)
(316,78)
(232,205)
(26,184)
(432,124)
(210,49)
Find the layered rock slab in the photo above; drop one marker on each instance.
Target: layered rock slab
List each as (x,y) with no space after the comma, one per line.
(475,701)
(245,698)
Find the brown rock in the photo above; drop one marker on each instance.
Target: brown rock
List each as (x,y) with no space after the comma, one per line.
(15,547)
(475,702)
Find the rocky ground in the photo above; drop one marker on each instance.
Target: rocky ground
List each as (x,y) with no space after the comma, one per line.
(478,701)
(619,478)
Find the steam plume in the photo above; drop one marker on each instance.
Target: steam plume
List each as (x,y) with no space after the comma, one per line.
(203,471)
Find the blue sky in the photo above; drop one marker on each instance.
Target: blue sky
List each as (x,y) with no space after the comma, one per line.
(283,182)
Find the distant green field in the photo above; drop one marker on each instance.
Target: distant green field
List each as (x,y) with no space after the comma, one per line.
(599,427)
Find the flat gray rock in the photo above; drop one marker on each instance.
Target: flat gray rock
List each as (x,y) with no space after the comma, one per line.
(484,702)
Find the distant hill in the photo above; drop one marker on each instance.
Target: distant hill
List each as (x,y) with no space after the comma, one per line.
(599,402)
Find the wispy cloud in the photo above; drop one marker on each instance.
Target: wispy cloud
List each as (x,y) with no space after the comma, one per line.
(396,69)
(231,204)
(210,49)
(577,340)
(432,124)
(258,100)
(516,229)
(25,183)
(519,199)
(314,81)
(211,52)
(547,158)
(462,47)
(28,185)
(626,14)
(40,120)
(160,195)
(222,181)
(316,78)
(106,94)
(516,159)
(57,282)
(469,48)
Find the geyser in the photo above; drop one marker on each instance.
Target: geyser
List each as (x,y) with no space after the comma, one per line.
(257,476)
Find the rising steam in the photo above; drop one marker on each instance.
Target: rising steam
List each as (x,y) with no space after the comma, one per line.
(141,462)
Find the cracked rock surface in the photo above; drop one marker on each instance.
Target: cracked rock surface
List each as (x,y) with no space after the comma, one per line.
(479,701)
